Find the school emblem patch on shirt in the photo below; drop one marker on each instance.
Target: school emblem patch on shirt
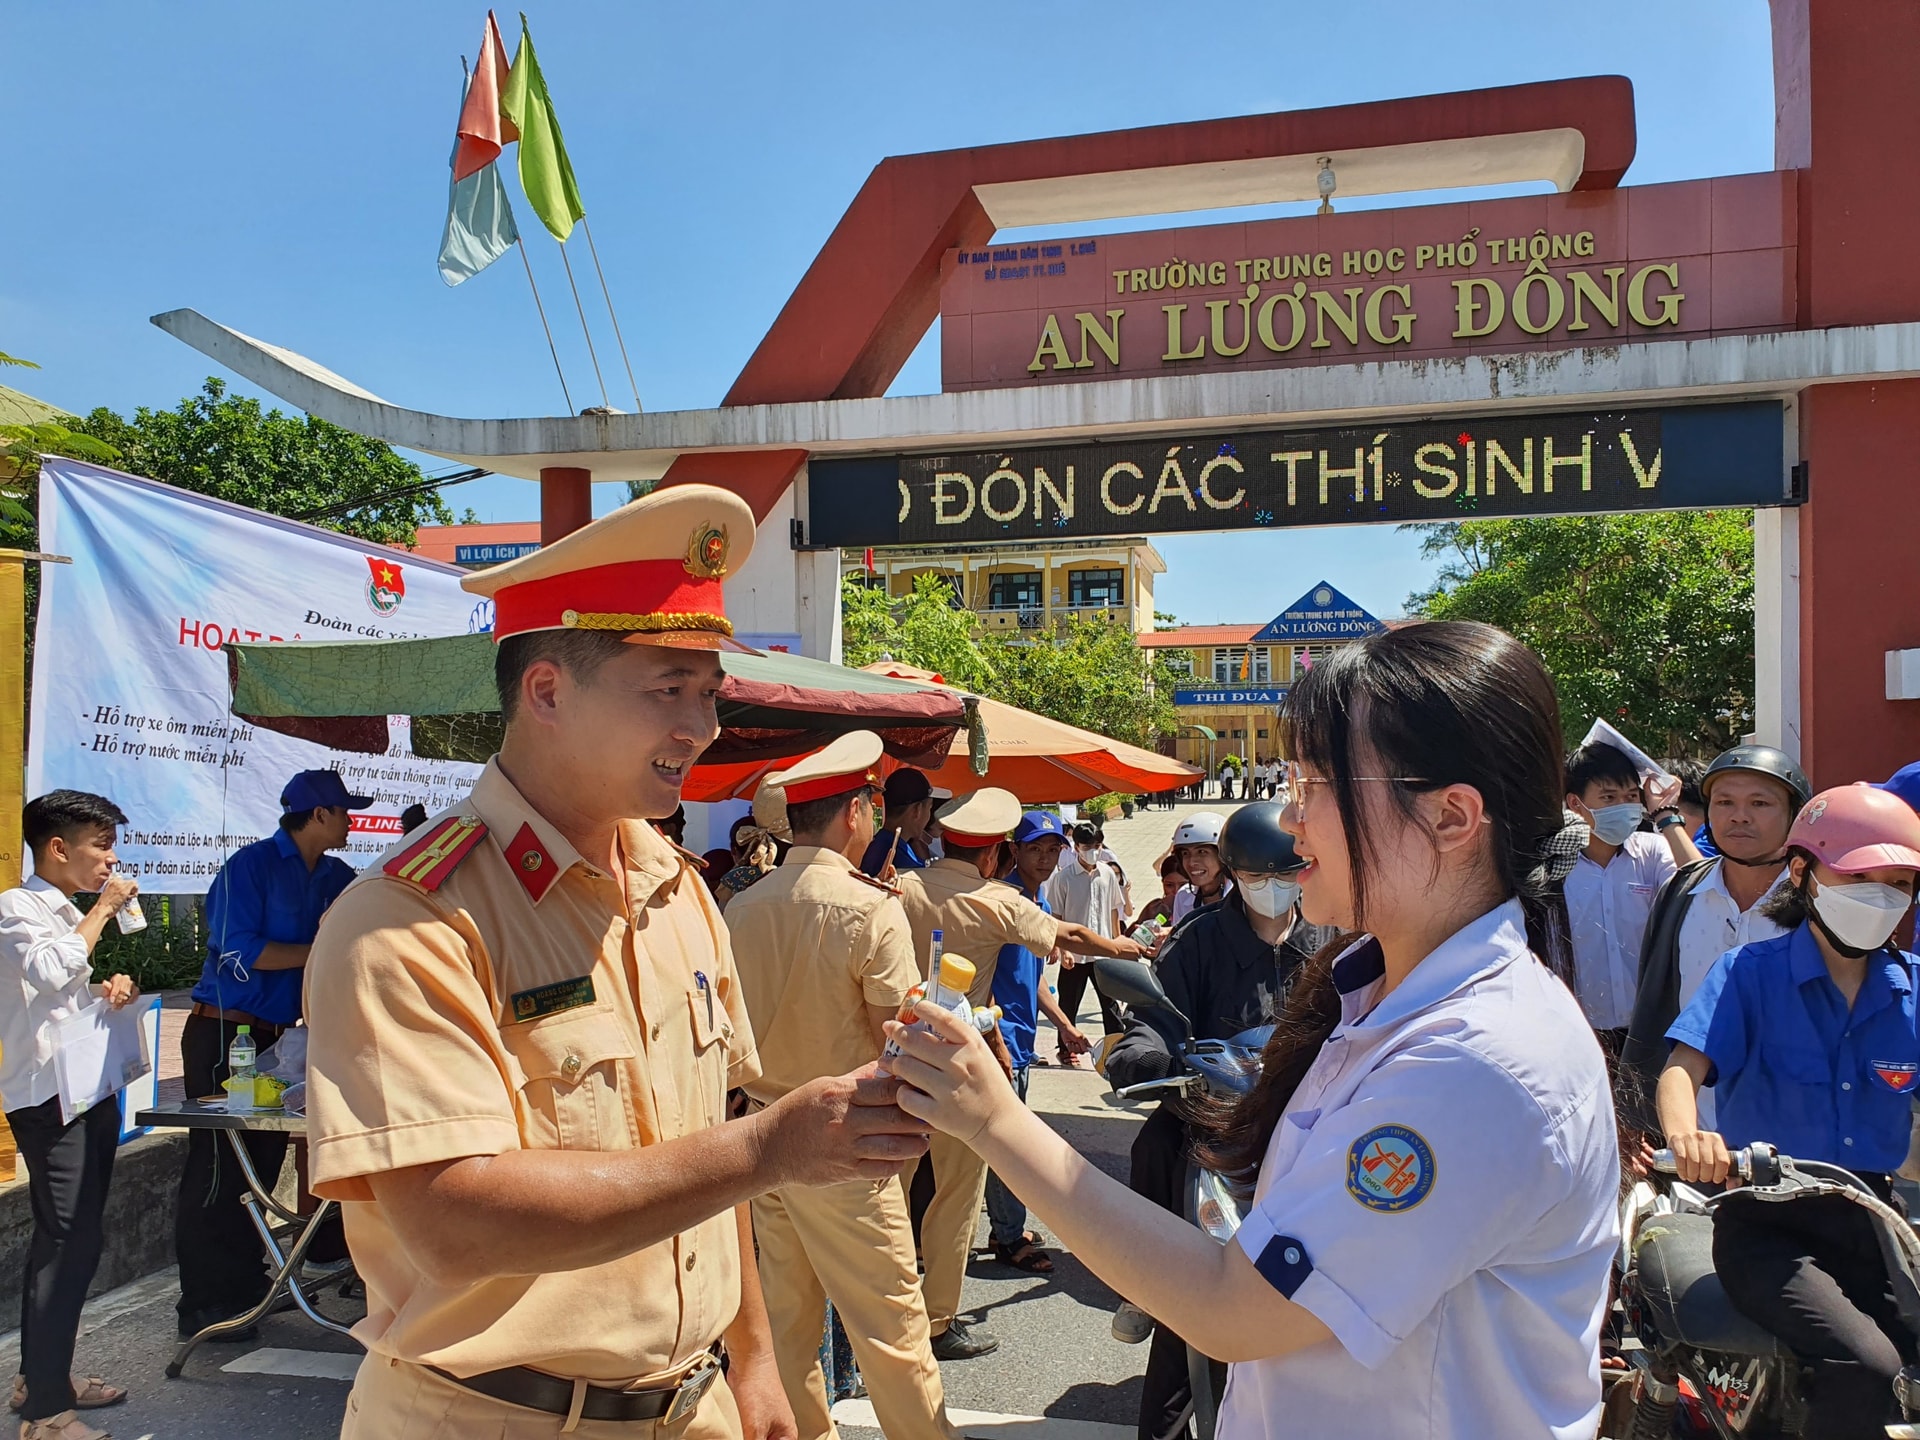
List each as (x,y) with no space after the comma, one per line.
(1390,1169)
(1895,1075)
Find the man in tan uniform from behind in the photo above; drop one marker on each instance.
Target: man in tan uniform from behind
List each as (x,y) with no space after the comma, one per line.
(525,1022)
(961,896)
(826,958)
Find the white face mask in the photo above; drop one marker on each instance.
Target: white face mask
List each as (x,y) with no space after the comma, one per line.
(1612,824)
(1861,915)
(1268,896)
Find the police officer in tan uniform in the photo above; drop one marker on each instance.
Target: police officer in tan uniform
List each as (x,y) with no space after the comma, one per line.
(826,959)
(960,896)
(525,1023)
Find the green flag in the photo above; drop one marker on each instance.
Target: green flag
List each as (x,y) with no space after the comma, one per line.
(545,173)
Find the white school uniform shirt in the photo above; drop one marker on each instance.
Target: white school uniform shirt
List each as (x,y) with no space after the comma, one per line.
(1607,906)
(1715,924)
(1440,1193)
(45,976)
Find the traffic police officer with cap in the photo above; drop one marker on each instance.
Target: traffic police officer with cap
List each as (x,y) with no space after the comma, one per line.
(528,1019)
(826,959)
(960,896)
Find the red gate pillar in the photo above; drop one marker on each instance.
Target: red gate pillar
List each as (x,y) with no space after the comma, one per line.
(1836,62)
(566,501)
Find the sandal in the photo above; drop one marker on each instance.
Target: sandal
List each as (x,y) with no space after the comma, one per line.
(1024,1256)
(93,1394)
(64,1426)
(1068,1059)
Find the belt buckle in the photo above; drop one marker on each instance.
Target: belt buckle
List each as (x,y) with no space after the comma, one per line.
(692,1391)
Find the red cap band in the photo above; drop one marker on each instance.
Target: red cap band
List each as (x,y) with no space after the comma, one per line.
(637,588)
(827,785)
(969,842)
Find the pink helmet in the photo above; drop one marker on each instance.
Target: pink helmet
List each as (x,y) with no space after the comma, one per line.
(1858,827)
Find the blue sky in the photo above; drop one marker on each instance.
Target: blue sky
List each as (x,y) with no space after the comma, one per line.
(282,168)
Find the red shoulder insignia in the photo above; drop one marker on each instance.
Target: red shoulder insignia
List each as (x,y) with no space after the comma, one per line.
(862,875)
(429,860)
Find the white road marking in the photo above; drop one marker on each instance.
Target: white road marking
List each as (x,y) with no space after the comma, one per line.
(310,1364)
(987,1425)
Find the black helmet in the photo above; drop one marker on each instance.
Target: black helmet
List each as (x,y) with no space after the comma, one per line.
(1759,760)
(1253,841)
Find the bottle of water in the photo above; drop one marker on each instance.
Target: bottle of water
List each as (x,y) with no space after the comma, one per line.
(240,1056)
(950,979)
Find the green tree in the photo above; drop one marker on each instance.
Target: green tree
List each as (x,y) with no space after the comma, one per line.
(1644,620)
(228,447)
(1089,673)
(923,630)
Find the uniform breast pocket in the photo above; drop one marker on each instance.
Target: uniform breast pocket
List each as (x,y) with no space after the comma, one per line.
(574,1083)
(1798,1064)
(712,1037)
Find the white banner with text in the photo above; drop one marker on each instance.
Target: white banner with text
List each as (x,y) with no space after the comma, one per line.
(130,685)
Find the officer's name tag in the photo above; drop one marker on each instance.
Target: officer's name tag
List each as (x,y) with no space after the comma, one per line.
(552,999)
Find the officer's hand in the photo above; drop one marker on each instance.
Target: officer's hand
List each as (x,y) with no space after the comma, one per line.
(953,1080)
(765,1411)
(1700,1157)
(118,890)
(840,1128)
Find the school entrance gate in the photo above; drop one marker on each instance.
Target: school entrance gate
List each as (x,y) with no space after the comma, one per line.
(1740,340)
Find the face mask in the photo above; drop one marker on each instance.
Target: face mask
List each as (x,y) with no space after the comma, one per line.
(1086,853)
(1862,916)
(1612,824)
(1269,896)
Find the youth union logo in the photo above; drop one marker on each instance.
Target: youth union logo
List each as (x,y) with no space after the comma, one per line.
(386,586)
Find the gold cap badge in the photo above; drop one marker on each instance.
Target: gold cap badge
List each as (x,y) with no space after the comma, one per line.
(707,552)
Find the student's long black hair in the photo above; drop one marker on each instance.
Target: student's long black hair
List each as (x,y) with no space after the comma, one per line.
(1453,702)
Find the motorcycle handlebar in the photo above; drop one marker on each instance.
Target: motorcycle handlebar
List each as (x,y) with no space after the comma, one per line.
(1755,1164)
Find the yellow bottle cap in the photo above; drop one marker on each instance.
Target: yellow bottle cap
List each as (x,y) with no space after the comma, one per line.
(956,974)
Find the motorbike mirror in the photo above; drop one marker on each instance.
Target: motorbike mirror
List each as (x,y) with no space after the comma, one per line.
(1133,983)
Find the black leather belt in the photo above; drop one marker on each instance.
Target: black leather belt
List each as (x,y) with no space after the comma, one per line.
(536,1390)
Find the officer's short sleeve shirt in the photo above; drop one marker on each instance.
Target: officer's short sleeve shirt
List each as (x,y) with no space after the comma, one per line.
(975,917)
(530,1002)
(817,944)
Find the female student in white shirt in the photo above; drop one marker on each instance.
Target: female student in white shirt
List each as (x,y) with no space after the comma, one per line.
(1431,1146)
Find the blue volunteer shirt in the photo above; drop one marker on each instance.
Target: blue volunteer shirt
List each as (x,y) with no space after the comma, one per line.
(1016,990)
(905,857)
(264,895)
(1794,1067)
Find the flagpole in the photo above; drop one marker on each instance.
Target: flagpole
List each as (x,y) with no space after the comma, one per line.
(594,250)
(551,350)
(583,327)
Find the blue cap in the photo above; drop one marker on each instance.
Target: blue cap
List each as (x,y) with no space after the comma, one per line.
(1036,824)
(1905,783)
(312,789)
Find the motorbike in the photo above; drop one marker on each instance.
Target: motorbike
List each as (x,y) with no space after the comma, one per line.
(1675,1319)
(1225,1068)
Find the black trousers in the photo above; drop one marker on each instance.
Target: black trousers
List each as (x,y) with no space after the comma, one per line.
(69,1167)
(1810,1271)
(1159,1172)
(1074,980)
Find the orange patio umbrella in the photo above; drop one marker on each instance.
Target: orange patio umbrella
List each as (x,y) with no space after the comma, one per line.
(1045,760)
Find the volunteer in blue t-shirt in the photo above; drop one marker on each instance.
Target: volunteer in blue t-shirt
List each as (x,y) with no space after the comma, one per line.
(1810,1041)
(263,910)
(1019,989)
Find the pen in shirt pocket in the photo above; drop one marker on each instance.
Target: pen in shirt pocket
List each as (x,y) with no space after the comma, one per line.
(700,979)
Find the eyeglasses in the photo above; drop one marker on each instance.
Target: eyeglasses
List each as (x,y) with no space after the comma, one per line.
(1300,784)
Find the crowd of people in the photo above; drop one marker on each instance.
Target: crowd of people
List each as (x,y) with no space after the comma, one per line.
(608,1121)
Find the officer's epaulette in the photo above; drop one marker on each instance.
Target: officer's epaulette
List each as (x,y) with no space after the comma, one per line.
(429,860)
(859,874)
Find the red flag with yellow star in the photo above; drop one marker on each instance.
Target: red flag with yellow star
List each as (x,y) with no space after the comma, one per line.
(385,584)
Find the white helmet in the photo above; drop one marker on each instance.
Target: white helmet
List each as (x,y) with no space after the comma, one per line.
(1201,828)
